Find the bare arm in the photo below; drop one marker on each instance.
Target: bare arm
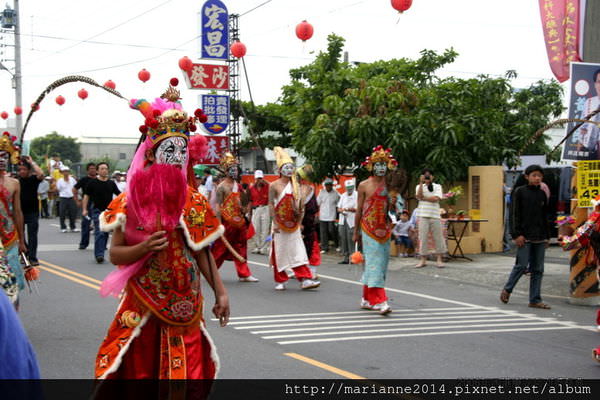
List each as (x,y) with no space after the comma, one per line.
(219,200)
(84,205)
(121,254)
(358,215)
(272,197)
(18,217)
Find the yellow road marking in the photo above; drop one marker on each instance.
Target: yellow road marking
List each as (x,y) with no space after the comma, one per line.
(69,277)
(327,367)
(68,271)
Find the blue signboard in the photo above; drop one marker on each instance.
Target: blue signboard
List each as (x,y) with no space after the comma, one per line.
(215,30)
(216,108)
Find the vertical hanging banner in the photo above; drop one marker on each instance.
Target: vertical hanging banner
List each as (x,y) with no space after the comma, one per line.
(217,145)
(207,76)
(215,30)
(561,24)
(216,108)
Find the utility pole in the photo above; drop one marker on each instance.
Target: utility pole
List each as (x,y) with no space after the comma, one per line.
(10,19)
(591,36)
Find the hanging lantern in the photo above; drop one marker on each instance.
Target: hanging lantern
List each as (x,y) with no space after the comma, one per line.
(83,94)
(238,49)
(401,5)
(18,110)
(110,84)
(35,107)
(4,115)
(304,31)
(185,63)
(60,100)
(144,75)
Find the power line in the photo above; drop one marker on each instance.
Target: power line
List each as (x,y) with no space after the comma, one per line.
(258,6)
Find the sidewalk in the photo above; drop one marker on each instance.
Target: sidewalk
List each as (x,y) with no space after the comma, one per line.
(488,270)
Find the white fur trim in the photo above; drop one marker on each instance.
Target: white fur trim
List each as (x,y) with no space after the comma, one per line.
(196,246)
(213,350)
(136,332)
(119,221)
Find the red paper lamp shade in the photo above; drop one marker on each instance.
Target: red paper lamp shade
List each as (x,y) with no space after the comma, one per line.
(60,100)
(401,5)
(18,110)
(185,63)
(304,31)
(238,49)
(110,84)
(83,94)
(144,75)
(4,115)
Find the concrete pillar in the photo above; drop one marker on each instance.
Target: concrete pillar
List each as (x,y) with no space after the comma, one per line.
(591,37)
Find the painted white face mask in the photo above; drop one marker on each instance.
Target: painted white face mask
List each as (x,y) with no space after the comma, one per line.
(379,168)
(288,170)
(4,156)
(350,190)
(233,172)
(172,151)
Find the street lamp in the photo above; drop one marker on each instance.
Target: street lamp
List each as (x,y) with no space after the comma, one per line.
(8,18)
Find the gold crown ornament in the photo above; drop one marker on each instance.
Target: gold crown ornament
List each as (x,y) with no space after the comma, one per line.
(9,144)
(227,161)
(380,155)
(165,117)
(282,157)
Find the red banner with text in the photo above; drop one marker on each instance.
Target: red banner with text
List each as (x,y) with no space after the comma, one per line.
(562,33)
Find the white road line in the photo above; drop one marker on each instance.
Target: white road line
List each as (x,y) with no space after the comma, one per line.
(343,312)
(353,332)
(324,328)
(365,316)
(566,324)
(376,320)
(339,339)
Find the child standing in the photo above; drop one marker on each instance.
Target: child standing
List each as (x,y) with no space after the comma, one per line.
(401,233)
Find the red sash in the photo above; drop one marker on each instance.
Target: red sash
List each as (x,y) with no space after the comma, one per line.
(231,210)
(284,214)
(374,219)
(8,232)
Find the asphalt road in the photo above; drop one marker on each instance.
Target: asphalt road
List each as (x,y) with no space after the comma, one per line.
(440,328)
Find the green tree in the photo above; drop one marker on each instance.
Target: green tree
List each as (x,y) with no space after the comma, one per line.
(55,144)
(338,112)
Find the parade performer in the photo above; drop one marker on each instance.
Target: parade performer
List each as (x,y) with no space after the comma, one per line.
(587,239)
(287,211)
(310,236)
(373,229)
(161,230)
(230,211)
(12,278)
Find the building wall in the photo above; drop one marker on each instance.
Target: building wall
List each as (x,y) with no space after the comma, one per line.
(113,151)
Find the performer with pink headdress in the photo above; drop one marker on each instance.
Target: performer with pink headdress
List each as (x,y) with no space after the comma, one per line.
(161,231)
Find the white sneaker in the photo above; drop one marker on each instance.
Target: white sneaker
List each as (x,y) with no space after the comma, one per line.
(309,284)
(365,305)
(338,249)
(249,279)
(280,286)
(384,308)
(255,251)
(263,252)
(323,252)
(63,230)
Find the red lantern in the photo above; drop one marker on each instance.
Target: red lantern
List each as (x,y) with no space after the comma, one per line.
(4,115)
(35,107)
(18,110)
(83,94)
(110,84)
(304,31)
(185,63)
(238,49)
(144,75)
(60,100)
(401,5)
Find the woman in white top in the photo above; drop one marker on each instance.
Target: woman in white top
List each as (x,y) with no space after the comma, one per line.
(429,195)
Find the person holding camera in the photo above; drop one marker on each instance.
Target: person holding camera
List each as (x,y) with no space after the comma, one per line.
(429,195)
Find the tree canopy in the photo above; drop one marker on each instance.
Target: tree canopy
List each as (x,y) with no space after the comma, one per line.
(336,112)
(56,144)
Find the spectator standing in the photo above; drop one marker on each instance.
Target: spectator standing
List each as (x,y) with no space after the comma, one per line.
(43,195)
(67,205)
(530,232)
(347,209)
(99,192)
(86,223)
(429,195)
(52,198)
(327,201)
(402,232)
(30,176)
(259,199)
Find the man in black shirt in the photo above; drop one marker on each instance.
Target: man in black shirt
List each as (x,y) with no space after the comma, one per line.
(100,192)
(29,203)
(86,222)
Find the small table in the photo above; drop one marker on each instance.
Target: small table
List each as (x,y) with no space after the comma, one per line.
(457,235)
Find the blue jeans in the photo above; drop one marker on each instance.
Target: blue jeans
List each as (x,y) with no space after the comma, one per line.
(31,222)
(404,240)
(531,254)
(85,228)
(100,238)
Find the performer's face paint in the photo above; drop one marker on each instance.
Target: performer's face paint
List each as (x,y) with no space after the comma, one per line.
(4,156)
(379,168)
(172,151)
(233,172)
(288,170)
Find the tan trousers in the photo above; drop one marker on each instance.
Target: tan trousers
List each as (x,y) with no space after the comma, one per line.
(433,225)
